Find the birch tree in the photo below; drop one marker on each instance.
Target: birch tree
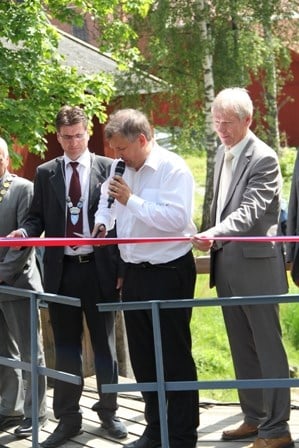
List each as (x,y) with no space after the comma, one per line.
(34,79)
(202,46)
(209,95)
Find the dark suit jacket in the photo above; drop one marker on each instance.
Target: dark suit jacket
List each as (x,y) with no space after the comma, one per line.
(293,223)
(48,214)
(252,208)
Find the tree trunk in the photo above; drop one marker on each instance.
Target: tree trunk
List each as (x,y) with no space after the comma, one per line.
(210,137)
(271,93)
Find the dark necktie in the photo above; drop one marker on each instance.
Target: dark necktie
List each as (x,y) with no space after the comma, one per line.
(74,211)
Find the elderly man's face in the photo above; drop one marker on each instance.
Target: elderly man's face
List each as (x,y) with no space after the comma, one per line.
(4,161)
(229,127)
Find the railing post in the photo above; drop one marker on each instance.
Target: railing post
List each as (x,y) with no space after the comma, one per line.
(34,369)
(160,374)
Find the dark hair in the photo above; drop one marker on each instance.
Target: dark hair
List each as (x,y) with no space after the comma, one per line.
(130,123)
(70,115)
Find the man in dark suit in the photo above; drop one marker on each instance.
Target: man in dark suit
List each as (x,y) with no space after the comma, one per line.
(87,272)
(292,249)
(19,270)
(249,205)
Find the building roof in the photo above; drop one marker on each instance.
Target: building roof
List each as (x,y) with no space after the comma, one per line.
(89,60)
(85,57)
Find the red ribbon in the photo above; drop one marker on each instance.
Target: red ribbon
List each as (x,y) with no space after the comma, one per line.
(22,242)
(25,242)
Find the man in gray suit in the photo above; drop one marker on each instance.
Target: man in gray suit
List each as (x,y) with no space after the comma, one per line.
(249,206)
(17,269)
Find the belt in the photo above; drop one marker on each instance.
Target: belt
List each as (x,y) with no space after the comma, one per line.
(84,258)
(173,264)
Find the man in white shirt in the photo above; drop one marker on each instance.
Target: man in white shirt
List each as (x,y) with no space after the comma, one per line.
(154,198)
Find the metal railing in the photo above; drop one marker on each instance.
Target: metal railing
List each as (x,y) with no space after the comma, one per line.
(38,299)
(161,386)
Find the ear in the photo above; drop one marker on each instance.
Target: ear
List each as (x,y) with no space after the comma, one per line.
(248,120)
(142,139)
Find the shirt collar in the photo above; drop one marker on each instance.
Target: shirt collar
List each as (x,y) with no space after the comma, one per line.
(84,159)
(238,148)
(153,158)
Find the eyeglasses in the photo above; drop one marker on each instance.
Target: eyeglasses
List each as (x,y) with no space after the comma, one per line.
(68,138)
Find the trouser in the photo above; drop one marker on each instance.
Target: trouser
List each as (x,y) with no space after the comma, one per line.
(174,280)
(81,280)
(255,339)
(15,342)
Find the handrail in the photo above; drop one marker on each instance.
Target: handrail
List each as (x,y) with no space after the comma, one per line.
(37,299)
(161,386)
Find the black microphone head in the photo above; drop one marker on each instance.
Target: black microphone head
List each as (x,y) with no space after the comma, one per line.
(119,171)
(120,168)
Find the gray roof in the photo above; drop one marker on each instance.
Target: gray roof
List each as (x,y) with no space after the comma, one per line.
(85,57)
(89,60)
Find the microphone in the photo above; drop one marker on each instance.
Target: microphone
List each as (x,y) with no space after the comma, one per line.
(119,171)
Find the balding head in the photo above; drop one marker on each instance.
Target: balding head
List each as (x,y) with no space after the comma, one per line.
(4,156)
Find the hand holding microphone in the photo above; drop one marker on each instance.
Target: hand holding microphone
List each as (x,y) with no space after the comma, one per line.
(118,189)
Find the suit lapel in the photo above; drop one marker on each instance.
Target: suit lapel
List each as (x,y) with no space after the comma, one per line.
(217,172)
(95,182)
(58,183)
(242,163)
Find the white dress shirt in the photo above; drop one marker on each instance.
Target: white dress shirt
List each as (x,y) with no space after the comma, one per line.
(161,205)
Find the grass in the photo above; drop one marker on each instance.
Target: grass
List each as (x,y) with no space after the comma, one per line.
(210,345)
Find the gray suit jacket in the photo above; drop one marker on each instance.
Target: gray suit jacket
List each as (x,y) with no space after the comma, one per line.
(17,267)
(48,214)
(252,208)
(293,223)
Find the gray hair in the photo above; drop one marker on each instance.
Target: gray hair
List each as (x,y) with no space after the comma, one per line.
(234,99)
(4,147)
(129,123)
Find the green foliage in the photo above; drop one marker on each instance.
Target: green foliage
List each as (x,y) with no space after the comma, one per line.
(289,313)
(210,345)
(197,165)
(287,158)
(35,80)
(290,317)
(176,51)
